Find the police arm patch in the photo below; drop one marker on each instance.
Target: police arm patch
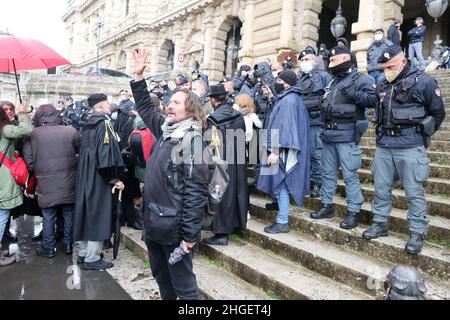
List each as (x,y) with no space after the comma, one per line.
(438,91)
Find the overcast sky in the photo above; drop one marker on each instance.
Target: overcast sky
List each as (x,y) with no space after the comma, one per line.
(36,19)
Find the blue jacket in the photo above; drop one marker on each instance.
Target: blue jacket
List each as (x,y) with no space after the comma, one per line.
(289,120)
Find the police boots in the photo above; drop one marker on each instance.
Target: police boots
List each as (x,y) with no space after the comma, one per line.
(375,231)
(315,190)
(414,244)
(350,221)
(325,211)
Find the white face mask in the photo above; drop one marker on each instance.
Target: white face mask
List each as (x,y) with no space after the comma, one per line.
(306,67)
(378,37)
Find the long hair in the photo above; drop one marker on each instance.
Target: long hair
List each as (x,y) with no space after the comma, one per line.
(244,101)
(193,106)
(4,120)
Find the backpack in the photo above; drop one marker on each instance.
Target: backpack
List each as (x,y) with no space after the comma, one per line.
(141,144)
(218,171)
(18,169)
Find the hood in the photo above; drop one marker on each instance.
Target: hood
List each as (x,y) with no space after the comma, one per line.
(294,90)
(47,115)
(94,119)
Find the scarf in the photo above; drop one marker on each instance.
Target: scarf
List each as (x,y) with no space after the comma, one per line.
(178,130)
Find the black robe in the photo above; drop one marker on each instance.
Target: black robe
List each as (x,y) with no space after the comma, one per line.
(232,214)
(100,166)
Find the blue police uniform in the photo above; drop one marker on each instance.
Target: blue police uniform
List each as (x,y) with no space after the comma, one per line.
(312,86)
(411,109)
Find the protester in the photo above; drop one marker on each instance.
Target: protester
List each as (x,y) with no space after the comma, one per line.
(11,195)
(50,153)
(288,149)
(176,192)
(100,169)
(200,88)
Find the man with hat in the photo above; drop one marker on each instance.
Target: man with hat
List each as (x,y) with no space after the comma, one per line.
(416,36)
(229,86)
(379,44)
(182,82)
(232,213)
(100,168)
(410,111)
(287,170)
(312,83)
(344,114)
(125,100)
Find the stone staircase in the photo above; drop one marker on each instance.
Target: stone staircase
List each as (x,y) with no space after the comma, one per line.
(319,260)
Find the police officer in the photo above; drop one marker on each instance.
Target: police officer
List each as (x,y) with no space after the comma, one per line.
(411,109)
(343,111)
(312,83)
(71,114)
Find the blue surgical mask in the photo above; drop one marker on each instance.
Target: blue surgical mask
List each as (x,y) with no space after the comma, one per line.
(114,116)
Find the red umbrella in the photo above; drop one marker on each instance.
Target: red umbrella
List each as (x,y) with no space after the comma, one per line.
(26,54)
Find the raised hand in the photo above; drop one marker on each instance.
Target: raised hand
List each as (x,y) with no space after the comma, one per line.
(140,59)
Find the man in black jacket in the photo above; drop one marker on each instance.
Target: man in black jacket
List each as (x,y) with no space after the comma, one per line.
(175,192)
(393,33)
(416,36)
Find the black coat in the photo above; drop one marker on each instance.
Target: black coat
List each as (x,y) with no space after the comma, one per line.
(50,153)
(393,35)
(100,167)
(175,195)
(233,210)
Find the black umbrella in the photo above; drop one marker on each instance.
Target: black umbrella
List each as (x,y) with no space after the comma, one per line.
(117,222)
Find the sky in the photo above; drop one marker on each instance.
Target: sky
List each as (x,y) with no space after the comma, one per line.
(36,19)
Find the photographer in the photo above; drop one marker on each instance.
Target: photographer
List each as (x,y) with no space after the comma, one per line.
(241,77)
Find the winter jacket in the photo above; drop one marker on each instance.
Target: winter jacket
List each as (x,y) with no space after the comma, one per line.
(11,195)
(175,195)
(50,153)
(417,34)
(393,35)
(374,52)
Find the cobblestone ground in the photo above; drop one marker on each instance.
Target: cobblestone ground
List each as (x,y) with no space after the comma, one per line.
(133,275)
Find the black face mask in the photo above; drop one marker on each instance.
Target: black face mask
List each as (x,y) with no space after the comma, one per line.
(340,69)
(165,87)
(279,87)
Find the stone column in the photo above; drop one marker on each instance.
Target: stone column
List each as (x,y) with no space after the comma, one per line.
(207,29)
(246,53)
(311,23)
(129,62)
(177,40)
(371,17)
(286,42)
(154,49)
(392,9)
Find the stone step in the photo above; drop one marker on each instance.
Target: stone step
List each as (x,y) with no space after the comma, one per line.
(214,283)
(438,228)
(436,170)
(271,273)
(436,145)
(433,259)
(436,157)
(341,264)
(434,186)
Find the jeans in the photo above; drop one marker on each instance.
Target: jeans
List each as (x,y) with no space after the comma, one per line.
(90,250)
(49,225)
(411,167)
(377,76)
(177,282)
(283,205)
(4,217)
(346,155)
(416,49)
(316,154)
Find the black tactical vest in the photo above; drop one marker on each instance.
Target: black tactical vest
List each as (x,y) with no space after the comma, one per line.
(397,104)
(339,108)
(312,100)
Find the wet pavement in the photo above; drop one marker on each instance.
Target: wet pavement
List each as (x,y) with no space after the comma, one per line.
(36,278)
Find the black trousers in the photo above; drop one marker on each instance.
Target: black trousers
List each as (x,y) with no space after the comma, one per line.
(177,281)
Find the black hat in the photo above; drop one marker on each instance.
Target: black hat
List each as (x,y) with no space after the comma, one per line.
(217,91)
(245,68)
(180,80)
(308,50)
(96,98)
(226,79)
(419,19)
(123,90)
(390,52)
(379,29)
(339,50)
(289,77)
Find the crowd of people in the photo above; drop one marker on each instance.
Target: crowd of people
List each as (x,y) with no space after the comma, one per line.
(92,159)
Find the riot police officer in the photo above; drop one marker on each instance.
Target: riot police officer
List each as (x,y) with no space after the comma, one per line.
(71,113)
(343,110)
(411,110)
(312,83)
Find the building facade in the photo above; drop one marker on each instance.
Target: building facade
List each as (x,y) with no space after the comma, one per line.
(218,35)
